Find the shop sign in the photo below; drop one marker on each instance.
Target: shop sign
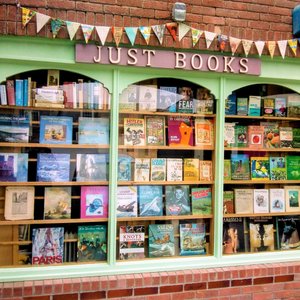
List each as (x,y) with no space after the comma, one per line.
(166,59)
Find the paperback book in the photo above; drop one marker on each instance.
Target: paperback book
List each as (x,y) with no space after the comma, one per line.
(142,169)
(177,200)
(155,130)
(292,198)
(241,136)
(230,104)
(243,201)
(205,170)
(228,202)
(204,132)
(240,166)
(180,131)
(14,167)
(147,98)
(269,106)
(293,167)
(242,106)
(261,201)
(296,138)
(254,106)
(124,167)
(126,201)
(260,168)
(286,137)
(150,200)
(271,135)
(278,168)
(134,132)
(280,107)
(202,106)
(288,232)
(201,201)
(167,98)
(277,200)
(129,98)
(190,169)
(293,106)
(255,136)
(158,169)
(227,169)
(229,134)
(174,169)
(185,100)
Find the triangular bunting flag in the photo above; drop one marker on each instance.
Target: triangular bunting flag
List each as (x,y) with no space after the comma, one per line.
(102,32)
(293,44)
(172,27)
(271,47)
(222,39)
(72,28)
(259,46)
(247,46)
(55,26)
(209,38)
(87,31)
(182,31)
(234,44)
(159,31)
(131,34)
(27,14)
(41,21)
(196,34)
(117,34)
(145,31)
(282,47)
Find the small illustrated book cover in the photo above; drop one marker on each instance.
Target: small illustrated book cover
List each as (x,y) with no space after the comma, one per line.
(132,242)
(57,202)
(158,169)
(201,200)
(192,239)
(185,100)
(47,245)
(190,169)
(261,201)
(205,170)
(167,98)
(254,107)
(230,104)
(260,168)
(134,131)
(180,131)
(124,167)
(280,107)
(53,167)
(56,130)
(277,200)
(242,106)
(255,136)
(161,240)
(241,136)
(286,137)
(293,106)
(271,135)
(228,202)
(129,98)
(292,198)
(293,167)
(268,106)
(288,232)
(204,132)
(278,168)
(94,202)
(177,200)
(227,169)
(92,243)
(240,166)
(127,201)
(14,167)
(296,137)
(202,106)
(150,200)
(155,130)
(243,201)
(174,169)
(142,169)
(148,98)
(229,134)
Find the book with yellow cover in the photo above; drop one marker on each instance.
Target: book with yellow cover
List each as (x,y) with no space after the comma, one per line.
(191,169)
(205,170)
(204,132)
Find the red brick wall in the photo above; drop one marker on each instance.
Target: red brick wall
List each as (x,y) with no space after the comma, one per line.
(256,282)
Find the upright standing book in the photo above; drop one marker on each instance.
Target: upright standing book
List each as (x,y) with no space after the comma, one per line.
(293,167)
(292,198)
(134,132)
(124,167)
(228,202)
(148,98)
(127,201)
(288,232)
(204,132)
(177,200)
(142,169)
(158,169)
(255,136)
(243,201)
(240,167)
(280,107)
(278,168)
(155,130)
(277,200)
(14,167)
(205,170)
(174,169)
(293,106)
(254,106)
(260,168)
(230,104)
(242,106)
(190,169)
(129,98)
(150,200)
(261,201)
(167,98)
(201,201)
(269,106)
(185,100)
(180,131)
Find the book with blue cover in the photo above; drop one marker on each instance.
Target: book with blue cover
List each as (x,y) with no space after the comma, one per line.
(230,104)
(14,167)
(240,166)
(53,167)
(124,167)
(19,92)
(56,130)
(150,200)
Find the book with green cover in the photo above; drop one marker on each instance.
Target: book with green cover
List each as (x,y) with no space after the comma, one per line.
(293,167)
(260,168)
(227,169)
(241,133)
(296,138)
(240,166)
(201,201)
(242,106)
(277,168)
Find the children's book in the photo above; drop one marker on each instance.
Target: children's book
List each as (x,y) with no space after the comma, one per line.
(227,169)
(94,202)
(180,131)
(243,201)
(280,107)
(288,232)
(185,100)
(260,168)
(167,98)
(271,135)
(47,245)
(150,200)
(230,104)
(293,167)
(129,98)
(286,137)
(254,106)
(134,131)
(261,201)
(155,130)
(292,198)
(92,243)
(56,130)
(277,168)
(293,106)
(228,202)
(192,239)
(241,136)
(205,170)
(126,201)
(204,132)
(177,200)
(255,136)
(229,134)
(269,106)
(174,169)
(142,169)
(57,202)
(240,166)
(148,98)
(190,169)
(158,169)
(201,200)
(132,242)
(242,106)
(14,167)
(124,167)
(161,240)
(277,200)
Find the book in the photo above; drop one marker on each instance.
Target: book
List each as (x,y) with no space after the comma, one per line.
(158,169)
(277,200)
(201,106)
(19,203)
(53,78)
(204,132)
(227,169)
(155,130)
(255,136)
(271,135)
(296,138)
(180,131)
(278,168)
(134,131)
(142,169)
(229,134)
(19,92)
(47,245)
(53,167)
(261,201)
(260,168)
(205,170)
(288,232)
(93,131)
(167,98)
(25,92)
(269,106)
(230,104)
(132,242)
(192,239)
(91,167)
(233,236)
(129,98)
(177,199)
(161,240)
(293,106)
(126,201)
(293,167)
(228,202)
(240,136)
(185,100)
(56,130)
(3,94)
(150,200)
(10,91)
(242,106)
(57,202)
(254,106)
(94,202)
(280,107)
(124,167)
(147,98)
(240,166)
(201,201)
(292,198)
(14,167)
(243,201)
(92,243)
(190,169)
(174,169)
(286,137)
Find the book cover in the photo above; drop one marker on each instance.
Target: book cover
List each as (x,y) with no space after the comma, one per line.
(243,201)
(91,167)
(19,92)
(280,107)
(296,138)
(240,136)
(142,169)
(203,106)
(150,200)
(10,91)
(161,240)
(93,131)
(19,203)
(14,167)
(126,201)
(92,243)
(277,200)
(201,201)
(57,202)
(53,167)
(231,104)
(286,137)
(293,103)
(292,198)
(53,78)
(260,168)
(255,136)
(278,168)
(240,166)
(271,135)
(148,98)
(124,167)
(167,98)
(190,169)
(261,201)
(254,106)
(129,98)
(205,170)
(56,130)
(288,232)
(177,200)
(185,100)
(242,106)
(293,167)
(269,106)
(174,169)
(233,236)
(228,202)
(94,202)
(180,131)
(47,245)
(229,134)
(204,132)
(134,131)
(192,239)
(132,242)
(3,94)
(227,169)
(155,130)
(158,169)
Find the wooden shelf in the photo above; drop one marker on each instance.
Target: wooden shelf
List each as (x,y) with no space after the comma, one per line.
(271,214)
(54,146)
(261,181)
(41,183)
(165,182)
(262,149)
(166,113)
(164,218)
(261,118)
(56,221)
(182,147)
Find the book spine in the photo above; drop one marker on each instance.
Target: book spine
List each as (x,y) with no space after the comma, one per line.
(3,94)
(25,92)
(19,92)
(10,89)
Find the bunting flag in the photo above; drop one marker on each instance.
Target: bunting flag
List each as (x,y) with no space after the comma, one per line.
(102,32)
(196,34)
(222,39)
(172,27)
(182,31)
(259,46)
(145,31)
(271,47)
(87,31)
(117,34)
(234,44)
(27,14)
(55,26)
(282,47)
(209,38)
(72,28)
(159,31)
(41,21)
(131,34)
(293,45)
(247,46)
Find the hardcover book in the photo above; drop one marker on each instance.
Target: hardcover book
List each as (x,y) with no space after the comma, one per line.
(147,98)
(92,243)
(261,201)
(124,167)
(47,245)
(158,169)
(180,131)
(204,132)
(241,136)
(177,200)
(134,132)
(286,137)
(155,130)
(293,167)
(292,198)
(293,103)
(185,100)
(56,130)
(269,106)
(230,104)
(277,168)
(132,242)
(271,135)
(280,107)
(227,169)
(126,201)
(277,200)
(94,202)
(174,169)
(205,170)
(229,134)
(129,98)
(150,200)
(167,98)
(242,106)
(190,169)
(201,201)
(243,201)
(14,167)
(161,240)
(192,239)
(254,106)
(240,166)
(288,232)
(255,136)
(260,168)
(142,169)
(228,202)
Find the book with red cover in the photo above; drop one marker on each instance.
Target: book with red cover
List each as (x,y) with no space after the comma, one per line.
(255,136)
(180,131)
(10,91)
